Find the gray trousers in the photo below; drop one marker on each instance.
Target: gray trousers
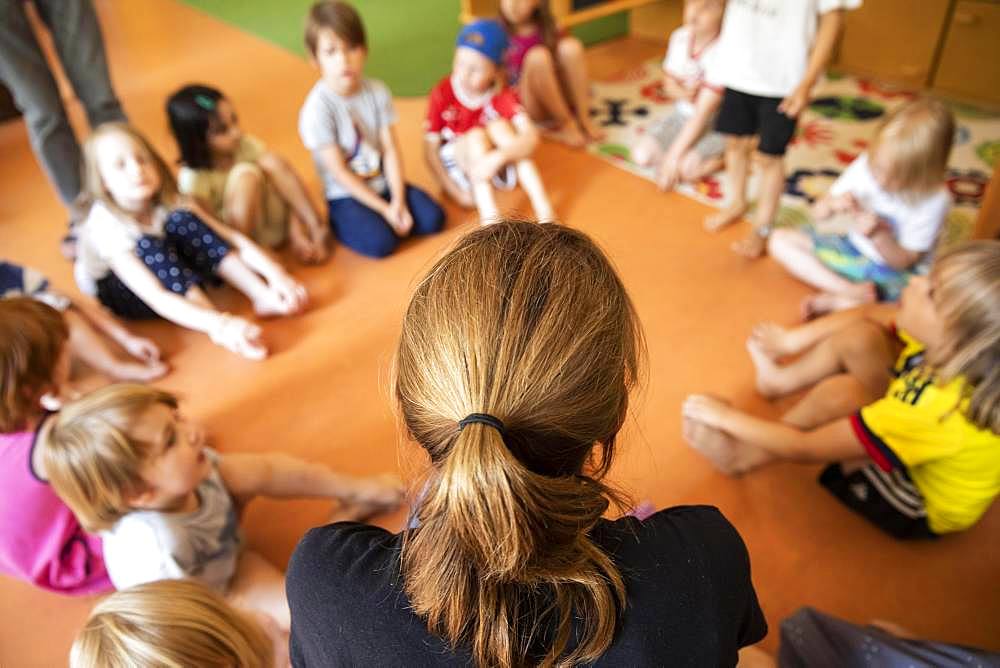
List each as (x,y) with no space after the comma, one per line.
(24,70)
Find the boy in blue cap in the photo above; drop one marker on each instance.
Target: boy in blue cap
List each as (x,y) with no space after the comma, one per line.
(478,135)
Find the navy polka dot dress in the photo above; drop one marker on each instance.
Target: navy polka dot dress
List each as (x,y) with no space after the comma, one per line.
(188,254)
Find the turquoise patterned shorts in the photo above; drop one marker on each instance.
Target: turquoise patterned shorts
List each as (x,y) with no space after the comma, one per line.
(838,253)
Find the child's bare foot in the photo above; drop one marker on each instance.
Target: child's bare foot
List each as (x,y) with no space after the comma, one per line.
(751,246)
(773,340)
(141,372)
(569,133)
(827,302)
(722,450)
(767,371)
(725,217)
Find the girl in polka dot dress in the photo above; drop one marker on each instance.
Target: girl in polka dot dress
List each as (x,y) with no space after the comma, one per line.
(146,251)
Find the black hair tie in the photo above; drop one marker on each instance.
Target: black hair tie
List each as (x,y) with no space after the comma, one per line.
(481,418)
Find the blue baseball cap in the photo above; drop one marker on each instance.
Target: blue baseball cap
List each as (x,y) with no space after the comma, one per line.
(487,37)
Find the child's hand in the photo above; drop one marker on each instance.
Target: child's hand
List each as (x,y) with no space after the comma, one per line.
(868,223)
(707,410)
(488,165)
(291,293)
(141,348)
(668,174)
(239,336)
(399,217)
(793,105)
(385,491)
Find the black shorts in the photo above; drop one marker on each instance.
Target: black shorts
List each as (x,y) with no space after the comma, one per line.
(744,114)
(890,501)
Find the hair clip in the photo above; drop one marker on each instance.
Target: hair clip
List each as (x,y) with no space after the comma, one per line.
(205,102)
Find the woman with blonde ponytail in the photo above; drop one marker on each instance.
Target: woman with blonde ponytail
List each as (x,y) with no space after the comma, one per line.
(517,356)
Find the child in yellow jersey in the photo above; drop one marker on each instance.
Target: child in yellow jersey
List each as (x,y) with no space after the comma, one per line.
(915,450)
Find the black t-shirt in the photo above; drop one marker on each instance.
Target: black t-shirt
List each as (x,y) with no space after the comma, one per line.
(686,572)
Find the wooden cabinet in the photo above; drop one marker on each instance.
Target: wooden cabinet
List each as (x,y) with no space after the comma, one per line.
(563,10)
(893,40)
(969,67)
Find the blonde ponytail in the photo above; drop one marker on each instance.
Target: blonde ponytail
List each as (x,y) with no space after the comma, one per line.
(529,324)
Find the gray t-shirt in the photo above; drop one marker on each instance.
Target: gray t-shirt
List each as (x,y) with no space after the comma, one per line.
(148,545)
(353,124)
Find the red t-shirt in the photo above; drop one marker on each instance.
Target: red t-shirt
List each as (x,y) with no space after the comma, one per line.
(448,115)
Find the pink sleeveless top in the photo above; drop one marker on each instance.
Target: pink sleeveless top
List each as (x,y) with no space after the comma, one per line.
(41,541)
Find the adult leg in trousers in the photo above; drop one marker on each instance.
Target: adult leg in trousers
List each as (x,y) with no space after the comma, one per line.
(78,41)
(25,72)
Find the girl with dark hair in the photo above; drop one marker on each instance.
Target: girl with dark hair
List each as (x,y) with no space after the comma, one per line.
(513,372)
(547,67)
(238,180)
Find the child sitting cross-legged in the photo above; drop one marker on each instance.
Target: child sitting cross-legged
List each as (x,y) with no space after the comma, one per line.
(895,199)
(130,466)
(348,123)
(238,180)
(682,145)
(478,135)
(917,452)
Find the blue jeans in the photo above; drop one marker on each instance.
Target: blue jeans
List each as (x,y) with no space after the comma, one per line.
(367,232)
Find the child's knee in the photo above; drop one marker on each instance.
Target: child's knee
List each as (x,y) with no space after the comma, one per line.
(770,161)
(569,48)
(863,337)
(784,238)
(739,143)
(645,152)
(690,167)
(538,57)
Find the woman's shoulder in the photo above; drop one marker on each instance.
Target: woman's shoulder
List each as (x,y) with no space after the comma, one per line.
(677,535)
(342,555)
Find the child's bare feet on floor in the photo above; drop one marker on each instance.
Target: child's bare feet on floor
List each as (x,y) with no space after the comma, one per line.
(767,370)
(569,133)
(725,217)
(724,452)
(773,340)
(751,246)
(827,302)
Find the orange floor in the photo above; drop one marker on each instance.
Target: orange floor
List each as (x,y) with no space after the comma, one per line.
(324,392)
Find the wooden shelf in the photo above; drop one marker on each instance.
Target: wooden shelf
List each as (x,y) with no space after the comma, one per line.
(561,9)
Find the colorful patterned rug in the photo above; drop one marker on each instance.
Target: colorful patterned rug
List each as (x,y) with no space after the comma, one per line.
(832,132)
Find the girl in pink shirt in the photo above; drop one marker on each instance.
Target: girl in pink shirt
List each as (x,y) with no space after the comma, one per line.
(40,539)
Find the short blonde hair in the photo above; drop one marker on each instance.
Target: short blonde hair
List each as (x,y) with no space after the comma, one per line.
(89,456)
(966,282)
(919,135)
(170,623)
(94,189)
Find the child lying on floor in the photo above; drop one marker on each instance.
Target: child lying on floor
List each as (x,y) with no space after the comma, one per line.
(922,460)
(128,464)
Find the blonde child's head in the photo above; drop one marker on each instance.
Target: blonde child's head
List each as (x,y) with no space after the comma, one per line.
(123,171)
(34,359)
(704,17)
(117,449)
(531,325)
(173,624)
(909,153)
(955,311)
(336,40)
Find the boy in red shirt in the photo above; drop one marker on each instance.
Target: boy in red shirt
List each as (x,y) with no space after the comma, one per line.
(478,135)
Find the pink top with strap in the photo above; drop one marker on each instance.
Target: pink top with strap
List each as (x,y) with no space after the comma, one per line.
(40,539)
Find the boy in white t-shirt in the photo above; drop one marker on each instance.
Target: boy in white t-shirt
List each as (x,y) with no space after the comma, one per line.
(770,54)
(678,143)
(895,202)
